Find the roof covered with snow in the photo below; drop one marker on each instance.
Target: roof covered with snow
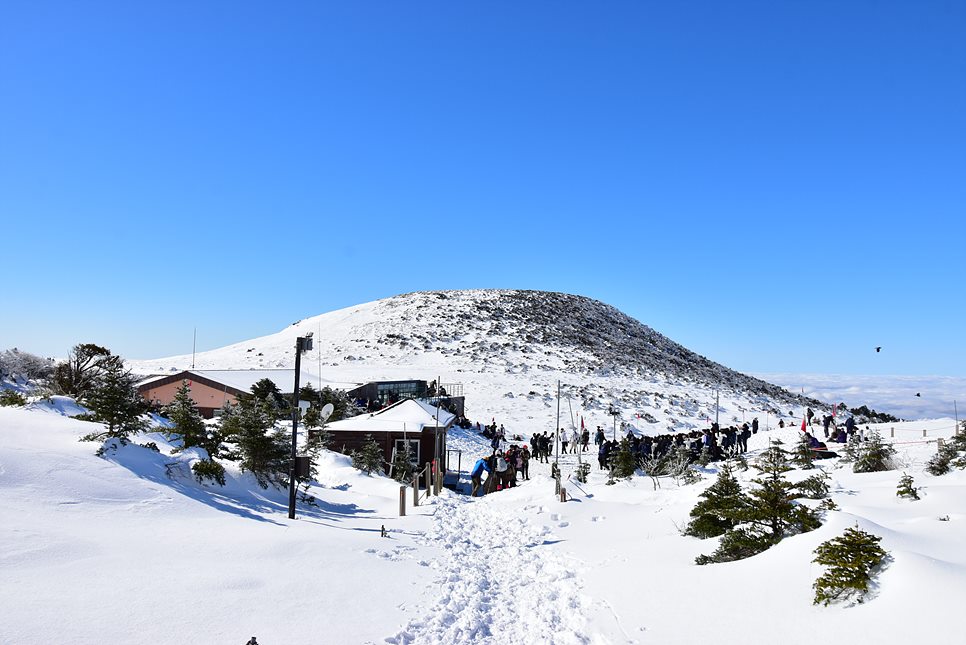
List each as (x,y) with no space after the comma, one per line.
(409,415)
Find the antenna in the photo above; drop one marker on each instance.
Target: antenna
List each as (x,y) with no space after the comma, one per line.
(194,344)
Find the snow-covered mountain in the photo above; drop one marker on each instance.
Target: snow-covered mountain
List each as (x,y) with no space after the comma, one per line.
(509,348)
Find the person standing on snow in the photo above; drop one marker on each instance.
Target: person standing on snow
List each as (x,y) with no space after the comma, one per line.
(476,476)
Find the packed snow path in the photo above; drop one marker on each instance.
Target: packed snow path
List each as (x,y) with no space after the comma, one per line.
(500,579)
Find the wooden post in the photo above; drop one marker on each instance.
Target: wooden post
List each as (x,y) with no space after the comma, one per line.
(402,501)
(429,484)
(923,432)
(892,433)
(415,490)
(563,494)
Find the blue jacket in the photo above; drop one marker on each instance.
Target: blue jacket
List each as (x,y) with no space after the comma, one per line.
(479,467)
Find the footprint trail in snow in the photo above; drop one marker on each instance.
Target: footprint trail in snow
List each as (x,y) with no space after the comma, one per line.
(500,580)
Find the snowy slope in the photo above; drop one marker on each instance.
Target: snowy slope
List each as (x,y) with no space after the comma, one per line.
(129,549)
(509,349)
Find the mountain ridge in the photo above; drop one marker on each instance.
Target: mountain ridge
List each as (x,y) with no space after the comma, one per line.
(518,341)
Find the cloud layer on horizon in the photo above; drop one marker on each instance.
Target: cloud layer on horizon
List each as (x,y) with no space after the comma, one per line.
(893,394)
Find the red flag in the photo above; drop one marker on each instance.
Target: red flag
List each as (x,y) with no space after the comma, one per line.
(803,424)
(834,408)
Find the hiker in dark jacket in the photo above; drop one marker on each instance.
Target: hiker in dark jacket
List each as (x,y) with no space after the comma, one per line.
(602,454)
(743,438)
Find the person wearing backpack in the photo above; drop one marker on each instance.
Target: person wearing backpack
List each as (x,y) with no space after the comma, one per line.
(476,476)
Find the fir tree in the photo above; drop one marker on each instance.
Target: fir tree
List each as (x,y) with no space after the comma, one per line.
(261,448)
(803,454)
(814,487)
(402,467)
(769,515)
(369,458)
(828,504)
(209,469)
(722,504)
(705,457)
(114,401)
(772,502)
(939,464)
(906,489)
(739,543)
(852,448)
(623,465)
(186,419)
(851,560)
(875,455)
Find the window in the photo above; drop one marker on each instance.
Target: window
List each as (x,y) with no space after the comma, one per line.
(400,445)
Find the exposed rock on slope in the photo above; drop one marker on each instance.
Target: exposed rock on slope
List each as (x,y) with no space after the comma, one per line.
(511,347)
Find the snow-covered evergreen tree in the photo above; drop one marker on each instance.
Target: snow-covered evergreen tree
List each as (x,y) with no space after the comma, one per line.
(906,488)
(186,418)
(262,449)
(114,401)
(875,455)
(769,515)
(623,464)
(813,487)
(940,463)
(852,560)
(402,467)
(803,454)
(369,459)
(722,505)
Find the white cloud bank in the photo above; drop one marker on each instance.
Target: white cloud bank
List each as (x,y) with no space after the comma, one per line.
(893,394)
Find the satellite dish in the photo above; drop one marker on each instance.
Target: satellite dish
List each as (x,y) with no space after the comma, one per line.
(326,412)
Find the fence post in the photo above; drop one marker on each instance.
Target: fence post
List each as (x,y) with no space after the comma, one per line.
(429,488)
(402,501)
(923,432)
(415,490)
(563,494)
(892,433)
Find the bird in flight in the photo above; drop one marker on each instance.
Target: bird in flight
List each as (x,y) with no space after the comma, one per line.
(919,395)
(878,349)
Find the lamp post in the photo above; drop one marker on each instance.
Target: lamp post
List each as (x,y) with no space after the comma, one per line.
(302,344)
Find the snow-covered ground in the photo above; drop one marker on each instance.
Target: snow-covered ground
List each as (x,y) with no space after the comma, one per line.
(129,549)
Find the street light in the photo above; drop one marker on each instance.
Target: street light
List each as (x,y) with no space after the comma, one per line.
(302,344)
(614,412)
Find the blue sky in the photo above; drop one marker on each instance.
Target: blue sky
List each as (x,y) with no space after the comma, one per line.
(778,186)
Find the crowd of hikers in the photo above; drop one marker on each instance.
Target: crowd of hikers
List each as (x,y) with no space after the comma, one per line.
(504,468)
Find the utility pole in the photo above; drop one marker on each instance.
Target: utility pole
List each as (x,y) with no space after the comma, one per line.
(302,344)
(717,405)
(556,430)
(436,449)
